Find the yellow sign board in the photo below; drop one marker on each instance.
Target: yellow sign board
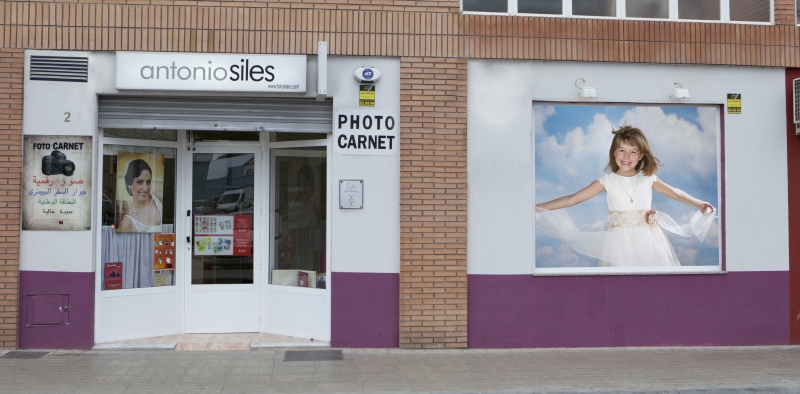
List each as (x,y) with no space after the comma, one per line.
(366,96)
(735,103)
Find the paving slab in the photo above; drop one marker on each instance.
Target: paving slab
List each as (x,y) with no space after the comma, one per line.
(663,370)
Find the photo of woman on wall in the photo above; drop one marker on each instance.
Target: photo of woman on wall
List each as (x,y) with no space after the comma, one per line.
(139,192)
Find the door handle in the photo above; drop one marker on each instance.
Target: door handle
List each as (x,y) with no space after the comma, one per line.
(188,239)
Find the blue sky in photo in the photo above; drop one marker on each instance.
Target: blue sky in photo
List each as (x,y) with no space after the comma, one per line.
(572,144)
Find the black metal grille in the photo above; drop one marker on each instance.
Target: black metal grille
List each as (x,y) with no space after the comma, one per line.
(312,355)
(20,354)
(59,68)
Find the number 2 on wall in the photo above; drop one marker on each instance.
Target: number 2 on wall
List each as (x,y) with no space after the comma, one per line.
(67,114)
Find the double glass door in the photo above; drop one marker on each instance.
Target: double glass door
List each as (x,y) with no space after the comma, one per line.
(256,237)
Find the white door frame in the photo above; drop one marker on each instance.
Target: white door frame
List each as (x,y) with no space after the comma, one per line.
(242,305)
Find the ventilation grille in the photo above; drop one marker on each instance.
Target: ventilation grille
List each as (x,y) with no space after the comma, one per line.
(59,68)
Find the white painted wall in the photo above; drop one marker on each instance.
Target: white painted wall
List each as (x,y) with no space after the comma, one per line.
(43,114)
(368,239)
(501,163)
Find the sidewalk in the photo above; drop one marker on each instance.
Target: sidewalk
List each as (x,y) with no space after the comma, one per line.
(650,370)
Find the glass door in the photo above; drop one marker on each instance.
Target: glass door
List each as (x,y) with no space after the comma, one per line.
(298,269)
(225,207)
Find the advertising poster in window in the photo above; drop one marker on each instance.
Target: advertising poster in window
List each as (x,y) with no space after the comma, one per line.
(627,186)
(163,252)
(223,235)
(140,192)
(112,276)
(57,183)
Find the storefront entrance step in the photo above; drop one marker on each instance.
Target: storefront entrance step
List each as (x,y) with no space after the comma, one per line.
(273,345)
(134,346)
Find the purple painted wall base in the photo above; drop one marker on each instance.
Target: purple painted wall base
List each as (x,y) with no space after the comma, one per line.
(738,308)
(56,310)
(365,310)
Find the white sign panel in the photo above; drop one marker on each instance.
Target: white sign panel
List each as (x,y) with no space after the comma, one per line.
(360,131)
(351,194)
(211,72)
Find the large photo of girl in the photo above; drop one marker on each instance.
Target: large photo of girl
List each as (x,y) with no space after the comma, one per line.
(626,186)
(140,186)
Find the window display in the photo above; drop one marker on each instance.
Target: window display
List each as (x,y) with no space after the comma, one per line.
(299,220)
(138,216)
(625,154)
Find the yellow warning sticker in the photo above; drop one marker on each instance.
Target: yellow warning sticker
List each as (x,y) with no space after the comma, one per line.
(734,103)
(366,96)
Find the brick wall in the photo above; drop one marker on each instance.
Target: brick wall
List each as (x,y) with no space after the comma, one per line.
(250,29)
(11,77)
(433,202)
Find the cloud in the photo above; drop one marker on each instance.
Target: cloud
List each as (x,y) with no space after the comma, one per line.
(686,256)
(540,115)
(684,148)
(547,256)
(578,153)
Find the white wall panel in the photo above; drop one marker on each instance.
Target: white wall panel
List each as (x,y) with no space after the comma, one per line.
(368,239)
(501,163)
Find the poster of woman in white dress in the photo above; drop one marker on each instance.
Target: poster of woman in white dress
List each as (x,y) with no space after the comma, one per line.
(574,153)
(140,186)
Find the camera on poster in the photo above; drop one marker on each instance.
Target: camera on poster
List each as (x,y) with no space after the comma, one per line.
(57,164)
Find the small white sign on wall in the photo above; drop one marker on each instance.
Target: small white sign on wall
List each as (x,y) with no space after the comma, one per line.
(351,194)
(362,131)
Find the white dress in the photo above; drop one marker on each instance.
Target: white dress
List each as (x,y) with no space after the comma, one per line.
(628,240)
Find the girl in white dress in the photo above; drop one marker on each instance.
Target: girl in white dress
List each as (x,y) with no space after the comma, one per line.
(634,236)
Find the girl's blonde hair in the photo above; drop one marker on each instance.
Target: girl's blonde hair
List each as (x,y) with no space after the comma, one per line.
(633,137)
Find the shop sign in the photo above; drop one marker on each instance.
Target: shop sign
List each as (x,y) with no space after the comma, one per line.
(361,131)
(211,72)
(57,183)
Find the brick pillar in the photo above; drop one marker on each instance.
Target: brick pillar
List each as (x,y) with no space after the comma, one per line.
(433,203)
(785,13)
(11,79)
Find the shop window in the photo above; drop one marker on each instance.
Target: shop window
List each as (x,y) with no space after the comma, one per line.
(142,134)
(138,217)
(299,220)
(486,5)
(285,136)
(750,10)
(594,7)
(707,10)
(656,9)
(222,136)
(613,232)
(549,7)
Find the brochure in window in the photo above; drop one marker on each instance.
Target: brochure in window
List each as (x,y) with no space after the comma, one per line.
(163,252)
(223,235)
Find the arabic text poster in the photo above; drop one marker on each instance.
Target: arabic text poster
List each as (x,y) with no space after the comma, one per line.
(223,235)
(57,183)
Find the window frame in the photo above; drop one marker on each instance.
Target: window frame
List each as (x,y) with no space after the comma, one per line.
(620,4)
